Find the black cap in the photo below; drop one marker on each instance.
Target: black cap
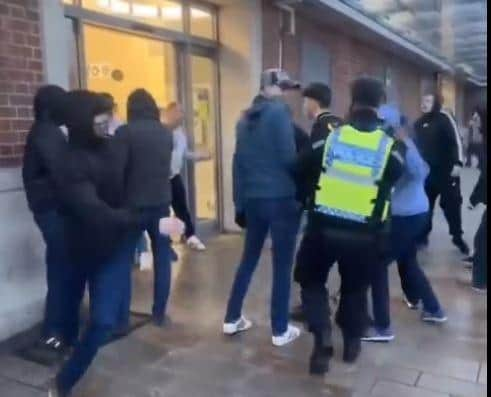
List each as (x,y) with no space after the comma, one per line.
(319,92)
(280,78)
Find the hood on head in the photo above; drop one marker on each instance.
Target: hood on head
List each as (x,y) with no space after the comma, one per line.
(142,106)
(82,107)
(49,104)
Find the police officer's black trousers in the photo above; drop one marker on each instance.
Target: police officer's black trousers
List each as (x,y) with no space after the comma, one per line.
(449,191)
(317,255)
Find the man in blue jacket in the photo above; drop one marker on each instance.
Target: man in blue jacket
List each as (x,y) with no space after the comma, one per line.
(264,196)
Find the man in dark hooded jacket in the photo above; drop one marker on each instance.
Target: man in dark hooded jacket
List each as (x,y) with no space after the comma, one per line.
(45,145)
(440,144)
(148,187)
(101,232)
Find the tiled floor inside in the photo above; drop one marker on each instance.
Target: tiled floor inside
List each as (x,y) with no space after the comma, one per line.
(190,358)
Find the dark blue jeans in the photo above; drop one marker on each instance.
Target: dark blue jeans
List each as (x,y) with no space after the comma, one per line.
(61,315)
(404,238)
(161,249)
(107,288)
(162,260)
(281,218)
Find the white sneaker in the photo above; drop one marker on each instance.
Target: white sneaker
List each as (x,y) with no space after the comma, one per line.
(195,243)
(240,325)
(288,337)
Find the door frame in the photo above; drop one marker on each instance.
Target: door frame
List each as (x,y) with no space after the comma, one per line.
(210,54)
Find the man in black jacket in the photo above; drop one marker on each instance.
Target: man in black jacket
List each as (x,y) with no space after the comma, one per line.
(438,139)
(148,186)
(317,103)
(46,143)
(101,231)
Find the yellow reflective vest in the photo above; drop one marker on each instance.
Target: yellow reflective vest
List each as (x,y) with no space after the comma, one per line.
(353,165)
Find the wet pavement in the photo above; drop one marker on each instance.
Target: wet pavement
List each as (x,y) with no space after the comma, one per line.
(190,357)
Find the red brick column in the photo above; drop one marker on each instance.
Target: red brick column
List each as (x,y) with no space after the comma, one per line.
(21,73)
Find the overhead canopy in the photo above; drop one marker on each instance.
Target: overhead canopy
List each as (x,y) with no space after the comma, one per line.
(454,30)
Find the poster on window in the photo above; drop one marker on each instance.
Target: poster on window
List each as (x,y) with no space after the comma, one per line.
(202,122)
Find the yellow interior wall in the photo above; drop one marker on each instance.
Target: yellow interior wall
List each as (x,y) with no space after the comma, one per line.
(145,63)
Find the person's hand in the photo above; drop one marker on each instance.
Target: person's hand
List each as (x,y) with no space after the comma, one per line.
(401,134)
(456,171)
(171,227)
(240,220)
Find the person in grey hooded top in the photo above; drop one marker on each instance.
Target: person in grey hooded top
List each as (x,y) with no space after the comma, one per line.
(264,195)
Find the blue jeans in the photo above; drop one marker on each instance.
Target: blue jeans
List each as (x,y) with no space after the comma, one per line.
(107,288)
(405,233)
(61,312)
(161,249)
(281,218)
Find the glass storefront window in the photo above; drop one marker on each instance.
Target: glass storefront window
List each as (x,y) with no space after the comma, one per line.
(144,63)
(162,13)
(204,136)
(202,22)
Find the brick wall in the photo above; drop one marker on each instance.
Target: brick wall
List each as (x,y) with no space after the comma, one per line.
(350,58)
(21,73)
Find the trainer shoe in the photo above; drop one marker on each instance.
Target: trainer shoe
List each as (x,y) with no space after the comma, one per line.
(241,325)
(410,305)
(195,243)
(377,335)
(480,290)
(291,334)
(437,318)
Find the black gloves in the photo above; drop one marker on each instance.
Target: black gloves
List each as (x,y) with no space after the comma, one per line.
(240,220)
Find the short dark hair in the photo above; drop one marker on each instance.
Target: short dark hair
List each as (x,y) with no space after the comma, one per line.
(368,91)
(108,102)
(319,92)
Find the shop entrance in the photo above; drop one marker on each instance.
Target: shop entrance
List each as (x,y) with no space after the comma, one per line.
(117,62)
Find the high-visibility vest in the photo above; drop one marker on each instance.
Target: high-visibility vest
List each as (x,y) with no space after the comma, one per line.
(353,165)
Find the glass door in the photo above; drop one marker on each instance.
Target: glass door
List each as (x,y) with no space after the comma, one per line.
(204,97)
(118,63)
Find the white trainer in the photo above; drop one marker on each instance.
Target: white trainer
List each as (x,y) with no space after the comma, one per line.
(240,325)
(289,336)
(196,244)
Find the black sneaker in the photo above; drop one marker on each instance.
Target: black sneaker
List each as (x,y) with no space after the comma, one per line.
(319,361)
(352,350)
(461,245)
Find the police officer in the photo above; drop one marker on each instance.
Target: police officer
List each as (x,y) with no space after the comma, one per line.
(354,170)
(439,142)
(317,103)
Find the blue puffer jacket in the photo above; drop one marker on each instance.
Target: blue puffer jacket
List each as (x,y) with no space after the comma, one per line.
(265,153)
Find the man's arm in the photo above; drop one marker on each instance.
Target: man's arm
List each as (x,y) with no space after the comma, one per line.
(455,147)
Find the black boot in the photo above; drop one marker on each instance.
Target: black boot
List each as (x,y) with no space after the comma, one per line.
(352,350)
(319,361)
(461,245)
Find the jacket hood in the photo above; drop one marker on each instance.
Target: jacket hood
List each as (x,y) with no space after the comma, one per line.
(82,107)
(142,106)
(49,104)
(259,104)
